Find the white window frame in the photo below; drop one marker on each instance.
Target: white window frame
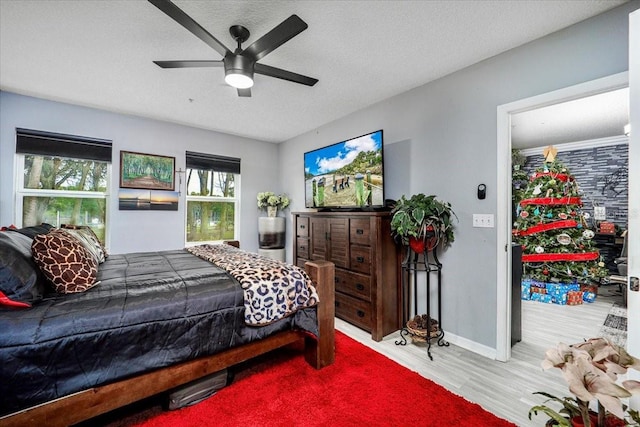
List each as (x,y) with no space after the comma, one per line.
(236,209)
(21,192)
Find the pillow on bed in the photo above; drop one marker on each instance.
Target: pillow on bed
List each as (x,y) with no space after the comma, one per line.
(20,281)
(88,240)
(34,230)
(64,262)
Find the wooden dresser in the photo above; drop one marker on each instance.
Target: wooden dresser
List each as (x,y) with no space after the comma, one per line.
(367,264)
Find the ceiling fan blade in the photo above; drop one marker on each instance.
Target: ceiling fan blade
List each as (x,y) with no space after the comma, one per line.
(285,31)
(278,73)
(175,13)
(188,64)
(244,92)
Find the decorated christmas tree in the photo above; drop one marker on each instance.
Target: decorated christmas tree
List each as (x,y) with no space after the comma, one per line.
(556,241)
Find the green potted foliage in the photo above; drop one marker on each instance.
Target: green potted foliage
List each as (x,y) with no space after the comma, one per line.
(422,222)
(591,369)
(557,417)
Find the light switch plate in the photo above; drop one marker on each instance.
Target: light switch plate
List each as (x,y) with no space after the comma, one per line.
(483,220)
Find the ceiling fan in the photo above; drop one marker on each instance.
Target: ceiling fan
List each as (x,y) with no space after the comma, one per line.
(241,64)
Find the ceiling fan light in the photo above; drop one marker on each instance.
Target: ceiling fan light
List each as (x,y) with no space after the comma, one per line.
(239,81)
(238,71)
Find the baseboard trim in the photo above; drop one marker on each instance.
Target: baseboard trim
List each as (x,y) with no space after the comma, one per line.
(473,346)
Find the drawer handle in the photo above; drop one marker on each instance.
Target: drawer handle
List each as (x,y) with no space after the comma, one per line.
(360,259)
(302,227)
(359,231)
(360,287)
(302,248)
(360,313)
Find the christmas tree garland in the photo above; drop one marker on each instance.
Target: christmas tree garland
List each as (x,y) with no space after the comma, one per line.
(567,223)
(552,229)
(550,201)
(582,256)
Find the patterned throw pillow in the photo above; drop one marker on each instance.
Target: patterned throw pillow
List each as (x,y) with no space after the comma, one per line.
(90,237)
(64,262)
(85,238)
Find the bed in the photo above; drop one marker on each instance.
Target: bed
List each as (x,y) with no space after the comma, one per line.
(153,322)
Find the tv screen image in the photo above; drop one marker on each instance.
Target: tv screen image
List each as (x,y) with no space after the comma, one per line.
(348,174)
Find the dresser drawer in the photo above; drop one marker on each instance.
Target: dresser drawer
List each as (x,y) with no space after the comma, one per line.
(300,262)
(360,259)
(354,284)
(359,231)
(354,311)
(302,226)
(302,247)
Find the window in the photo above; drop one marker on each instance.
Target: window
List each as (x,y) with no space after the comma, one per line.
(62,179)
(213,196)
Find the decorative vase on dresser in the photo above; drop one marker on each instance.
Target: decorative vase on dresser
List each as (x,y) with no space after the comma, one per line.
(271,237)
(367,264)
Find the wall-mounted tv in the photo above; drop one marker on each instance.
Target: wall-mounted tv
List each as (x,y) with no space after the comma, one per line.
(346,175)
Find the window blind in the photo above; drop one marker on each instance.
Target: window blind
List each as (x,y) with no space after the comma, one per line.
(213,162)
(60,145)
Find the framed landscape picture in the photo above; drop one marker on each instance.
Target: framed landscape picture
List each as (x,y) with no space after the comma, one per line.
(147,171)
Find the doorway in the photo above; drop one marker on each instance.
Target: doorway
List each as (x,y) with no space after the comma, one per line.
(503,217)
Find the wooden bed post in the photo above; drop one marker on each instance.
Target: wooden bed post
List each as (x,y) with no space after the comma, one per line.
(322,352)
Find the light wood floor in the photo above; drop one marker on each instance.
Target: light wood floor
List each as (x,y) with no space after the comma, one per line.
(504,388)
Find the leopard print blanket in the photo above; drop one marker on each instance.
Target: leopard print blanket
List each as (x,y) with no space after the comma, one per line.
(272,289)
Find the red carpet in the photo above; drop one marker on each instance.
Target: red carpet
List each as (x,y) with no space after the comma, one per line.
(361,388)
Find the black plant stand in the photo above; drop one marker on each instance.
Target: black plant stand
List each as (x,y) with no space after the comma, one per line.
(428,263)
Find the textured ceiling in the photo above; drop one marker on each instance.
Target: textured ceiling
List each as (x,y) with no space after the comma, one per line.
(593,117)
(100,53)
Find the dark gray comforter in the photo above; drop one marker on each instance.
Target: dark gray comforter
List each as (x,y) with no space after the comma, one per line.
(150,310)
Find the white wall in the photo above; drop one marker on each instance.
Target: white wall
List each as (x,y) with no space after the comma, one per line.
(451,127)
(133,231)
(633,300)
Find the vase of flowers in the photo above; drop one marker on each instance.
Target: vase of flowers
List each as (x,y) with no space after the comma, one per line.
(272,202)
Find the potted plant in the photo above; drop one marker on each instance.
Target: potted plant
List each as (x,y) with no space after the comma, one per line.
(569,409)
(591,369)
(269,200)
(422,222)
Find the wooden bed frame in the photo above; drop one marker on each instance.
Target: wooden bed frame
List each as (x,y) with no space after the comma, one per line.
(92,402)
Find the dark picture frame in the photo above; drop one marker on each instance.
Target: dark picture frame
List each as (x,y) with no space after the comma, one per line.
(147,171)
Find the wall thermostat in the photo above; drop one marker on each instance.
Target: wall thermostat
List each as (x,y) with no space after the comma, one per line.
(482,191)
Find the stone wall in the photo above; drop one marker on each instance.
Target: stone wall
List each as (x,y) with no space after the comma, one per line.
(602,176)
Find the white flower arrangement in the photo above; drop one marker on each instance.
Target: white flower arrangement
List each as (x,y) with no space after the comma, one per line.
(268,198)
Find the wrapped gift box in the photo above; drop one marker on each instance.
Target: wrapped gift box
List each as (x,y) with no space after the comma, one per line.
(535,296)
(525,293)
(589,288)
(607,227)
(561,288)
(560,299)
(559,291)
(574,297)
(537,284)
(588,297)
